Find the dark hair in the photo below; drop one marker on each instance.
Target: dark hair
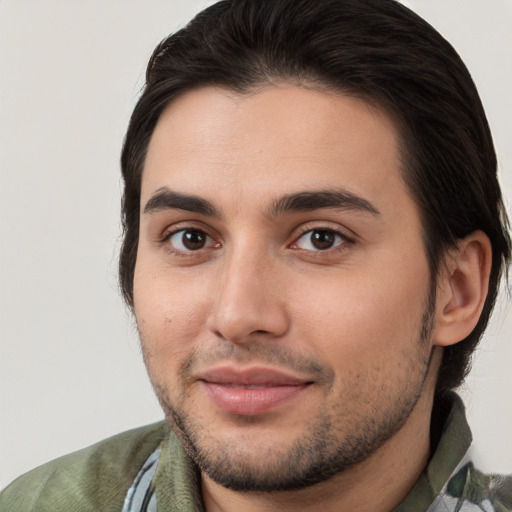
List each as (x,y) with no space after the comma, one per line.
(377,50)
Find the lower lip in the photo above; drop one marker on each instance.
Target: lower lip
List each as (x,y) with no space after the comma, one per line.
(251,401)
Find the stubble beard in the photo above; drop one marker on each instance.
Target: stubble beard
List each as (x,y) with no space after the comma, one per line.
(322,451)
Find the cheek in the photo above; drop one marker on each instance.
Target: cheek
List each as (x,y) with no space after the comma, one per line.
(363,314)
(171,311)
(369,336)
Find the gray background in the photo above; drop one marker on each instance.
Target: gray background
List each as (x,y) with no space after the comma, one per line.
(70,73)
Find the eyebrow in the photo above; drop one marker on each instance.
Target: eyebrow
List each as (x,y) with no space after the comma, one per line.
(166,199)
(308,201)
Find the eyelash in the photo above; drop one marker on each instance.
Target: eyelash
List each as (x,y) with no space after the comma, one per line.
(342,245)
(343,240)
(180,253)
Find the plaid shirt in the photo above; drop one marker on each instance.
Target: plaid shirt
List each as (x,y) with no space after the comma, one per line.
(450,483)
(147,470)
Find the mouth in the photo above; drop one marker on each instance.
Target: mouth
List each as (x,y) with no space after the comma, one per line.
(252,391)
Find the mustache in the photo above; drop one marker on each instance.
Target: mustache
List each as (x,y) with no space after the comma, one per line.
(261,353)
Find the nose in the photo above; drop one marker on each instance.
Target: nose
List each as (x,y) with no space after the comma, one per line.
(249,303)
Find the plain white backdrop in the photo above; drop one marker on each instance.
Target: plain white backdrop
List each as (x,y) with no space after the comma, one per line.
(70,73)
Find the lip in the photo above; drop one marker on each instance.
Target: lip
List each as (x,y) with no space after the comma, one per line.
(252,391)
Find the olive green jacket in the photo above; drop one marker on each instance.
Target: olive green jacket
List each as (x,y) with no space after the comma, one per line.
(147,469)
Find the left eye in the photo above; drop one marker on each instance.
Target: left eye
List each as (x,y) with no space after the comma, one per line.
(187,240)
(319,240)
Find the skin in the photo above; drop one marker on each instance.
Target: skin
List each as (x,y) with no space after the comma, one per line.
(256,292)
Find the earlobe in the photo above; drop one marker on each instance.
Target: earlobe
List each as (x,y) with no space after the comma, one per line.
(462,289)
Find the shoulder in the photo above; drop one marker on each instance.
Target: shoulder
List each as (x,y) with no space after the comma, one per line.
(94,478)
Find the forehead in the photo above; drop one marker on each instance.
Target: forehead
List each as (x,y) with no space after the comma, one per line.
(281,139)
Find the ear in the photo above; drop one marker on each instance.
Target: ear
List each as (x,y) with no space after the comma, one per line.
(462,289)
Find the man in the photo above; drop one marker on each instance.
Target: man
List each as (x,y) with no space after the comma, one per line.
(314,238)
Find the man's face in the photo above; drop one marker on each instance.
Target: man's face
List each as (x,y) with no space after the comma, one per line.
(281,283)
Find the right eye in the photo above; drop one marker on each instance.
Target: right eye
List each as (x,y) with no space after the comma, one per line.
(187,240)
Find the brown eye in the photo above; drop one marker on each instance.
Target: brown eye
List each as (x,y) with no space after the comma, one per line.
(319,240)
(190,240)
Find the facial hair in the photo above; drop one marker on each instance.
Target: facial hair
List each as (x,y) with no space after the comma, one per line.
(331,442)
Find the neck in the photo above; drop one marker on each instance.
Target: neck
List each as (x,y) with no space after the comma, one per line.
(379,483)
